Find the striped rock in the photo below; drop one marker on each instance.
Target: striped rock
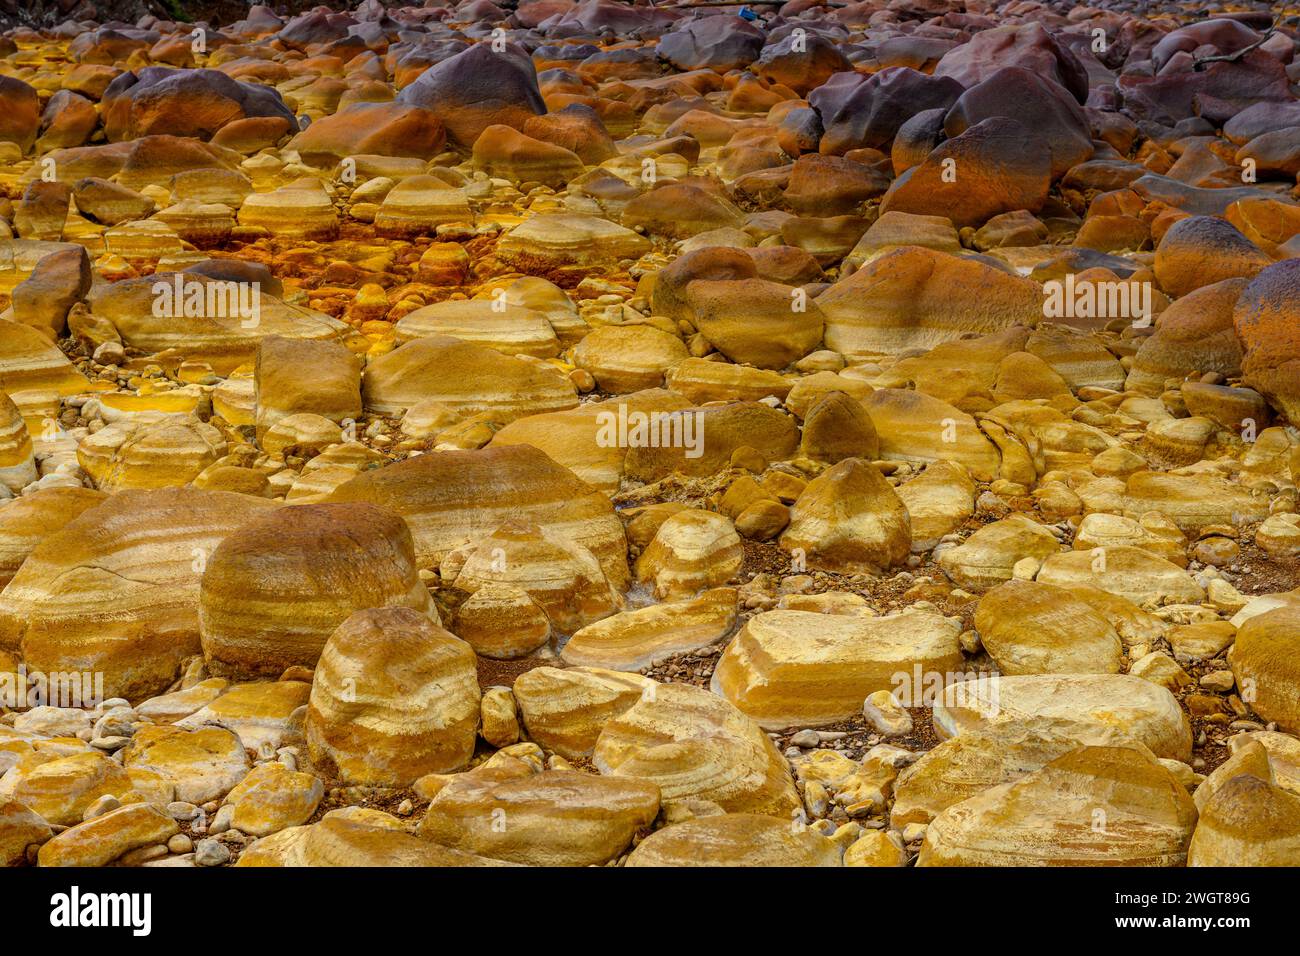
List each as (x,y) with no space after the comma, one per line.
(158,451)
(573,437)
(1265,663)
(553,818)
(510,329)
(977,359)
(214,329)
(203,764)
(1197,251)
(849,519)
(735,839)
(914,426)
(339,841)
(1249,821)
(1140,576)
(301,375)
(1080,358)
(985,559)
(27,521)
(104,838)
(627,358)
(1081,707)
(1154,533)
(551,241)
(485,381)
(701,380)
(1095,806)
(804,669)
(1248,757)
(395,697)
(508,154)
(638,639)
(304,431)
(300,210)
(1264,321)
(1057,440)
(564,710)
(501,621)
(29,360)
(169,708)
(420,204)
(275,590)
(915,298)
(965,766)
(17,466)
(116,590)
(1283,752)
(1029,627)
(753,321)
(452,497)
(561,577)
(692,550)
(695,745)
(546,298)
(811,389)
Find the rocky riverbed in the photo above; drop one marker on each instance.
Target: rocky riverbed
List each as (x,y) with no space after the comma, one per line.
(619,434)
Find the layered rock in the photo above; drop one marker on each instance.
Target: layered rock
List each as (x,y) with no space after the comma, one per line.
(275,590)
(1095,806)
(451,497)
(801,668)
(696,745)
(394,697)
(116,590)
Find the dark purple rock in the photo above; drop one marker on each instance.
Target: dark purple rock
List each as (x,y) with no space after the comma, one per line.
(1027,45)
(866,111)
(1038,103)
(719,43)
(477,89)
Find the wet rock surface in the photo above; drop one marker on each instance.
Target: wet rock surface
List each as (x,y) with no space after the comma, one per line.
(591,433)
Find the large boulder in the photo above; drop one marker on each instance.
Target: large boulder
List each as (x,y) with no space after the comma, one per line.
(867,111)
(1029,46)
(998,165)
(1095,806)
(450,497)
(185,102)
(394,697)
(718,43)
(116,590)
(916,298)
(802,668)
(1264,318)
(1040,104)
(478,88)
(697,746)
(275,590)
(378,129)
